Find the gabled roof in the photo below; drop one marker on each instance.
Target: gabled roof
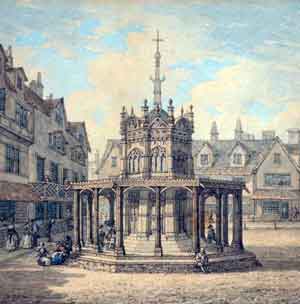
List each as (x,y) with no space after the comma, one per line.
(73,127)
(110,144)
(276,140)
(19,69)
(238,144)
(222,147)
(205,144)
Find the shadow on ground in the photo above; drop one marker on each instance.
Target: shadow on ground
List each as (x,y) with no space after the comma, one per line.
(23,281)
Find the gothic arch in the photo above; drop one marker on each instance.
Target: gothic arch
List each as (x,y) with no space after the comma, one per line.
(158,159)
(135,161)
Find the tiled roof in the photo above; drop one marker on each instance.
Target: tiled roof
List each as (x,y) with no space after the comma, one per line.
(17,192)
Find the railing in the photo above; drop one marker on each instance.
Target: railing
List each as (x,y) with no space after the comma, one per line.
(52,191)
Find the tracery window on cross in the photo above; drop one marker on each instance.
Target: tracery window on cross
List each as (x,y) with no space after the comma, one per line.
(180,163)
(134,161)
(158,160)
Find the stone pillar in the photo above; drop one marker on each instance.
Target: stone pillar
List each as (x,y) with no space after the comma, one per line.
(111,210)
(202,217)
(158,246)
(89,221)
(119,249)
(219,218)
(81,220)
(195,220)
(142,232)
(76,215)
(225,219)
(95,217)
(126,214)
(170,229)
(124,169)
(237,238)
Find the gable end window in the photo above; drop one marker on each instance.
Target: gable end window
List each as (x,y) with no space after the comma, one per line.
(2,100)
(277,179)
(277,158)
(237,159)
(204,159)
(19,83)
(113,161)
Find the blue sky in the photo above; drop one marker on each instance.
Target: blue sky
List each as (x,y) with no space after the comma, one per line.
(229,59)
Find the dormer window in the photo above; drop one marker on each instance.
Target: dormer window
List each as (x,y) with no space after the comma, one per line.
(81,138)
(113,161)
(59,118)
(19,83)
(204,159)
(237,159)
(277,158)
(21,116)
(57,142)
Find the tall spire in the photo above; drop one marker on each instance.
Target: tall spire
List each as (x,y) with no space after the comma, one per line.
(157,80)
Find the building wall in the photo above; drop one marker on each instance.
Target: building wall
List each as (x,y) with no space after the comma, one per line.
(285,167)
(43,126)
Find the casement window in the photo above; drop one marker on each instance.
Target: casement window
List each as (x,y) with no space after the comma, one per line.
(7,210)
(12,160)
(40,169)
(277,179)
(113,161)
(277,158)
(54,172)
(19,83)
(65,175)
(2,100)
(204,159)
(237,159)
(21,116)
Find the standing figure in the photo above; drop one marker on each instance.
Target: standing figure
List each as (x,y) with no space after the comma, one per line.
(50,224)
(12,242)
(34,233)
(26,239)
(211,235)
(68,245)
(101,238)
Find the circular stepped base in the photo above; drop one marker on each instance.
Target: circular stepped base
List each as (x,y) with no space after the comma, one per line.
(166,264)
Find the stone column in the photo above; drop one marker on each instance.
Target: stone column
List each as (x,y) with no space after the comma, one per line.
(219,218)
(119,249)
(202,216)
(81,221)
(111,210)
(225,219)
(76,215)
(158,246)
(170,229)
(142,232)
(89,221)
(237,238)
(95,217)
(195,220)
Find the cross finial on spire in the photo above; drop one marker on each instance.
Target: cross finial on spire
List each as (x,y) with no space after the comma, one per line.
(157,80)
(157,40)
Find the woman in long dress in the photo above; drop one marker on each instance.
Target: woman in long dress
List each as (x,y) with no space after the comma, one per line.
(12,241)
(27,238)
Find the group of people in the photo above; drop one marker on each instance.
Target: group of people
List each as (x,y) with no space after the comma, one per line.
(107,237)
(58,257)
(31,235)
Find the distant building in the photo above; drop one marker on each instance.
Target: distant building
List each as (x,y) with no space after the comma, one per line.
(40,150)
(270,168)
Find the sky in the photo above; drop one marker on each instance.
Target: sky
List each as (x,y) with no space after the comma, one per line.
(228,59)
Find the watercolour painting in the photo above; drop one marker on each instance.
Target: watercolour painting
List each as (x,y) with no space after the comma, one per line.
(149,151)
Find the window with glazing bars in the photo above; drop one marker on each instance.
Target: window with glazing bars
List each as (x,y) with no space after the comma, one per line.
(12,159)
(2,100)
